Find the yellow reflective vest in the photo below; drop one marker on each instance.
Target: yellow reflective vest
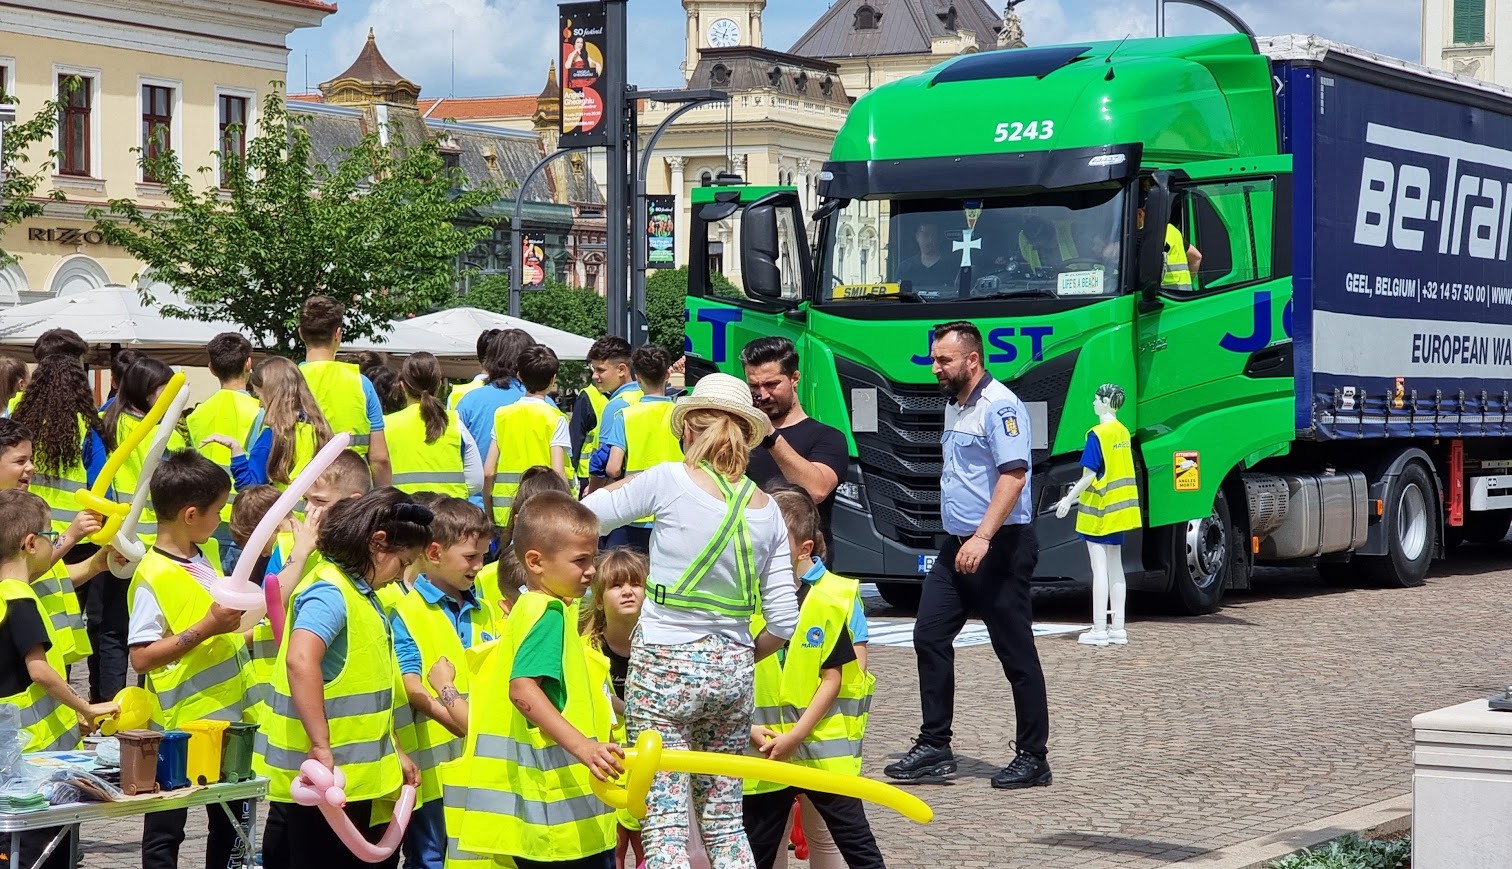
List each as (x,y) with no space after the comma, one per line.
(649,440)
(59,491)
(598,401)
(1177,276)
(425,467)
(527,796)
(128,478)
(208,682)
(50,725)
(337,387)
(459,391)
(1111,503)
(228,412)
(65,618)
(264,648)
(428,743)
(786,683)
(523,431)
(359,703)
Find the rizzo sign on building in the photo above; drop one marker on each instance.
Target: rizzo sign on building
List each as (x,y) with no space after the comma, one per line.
(64,235)
(582,75)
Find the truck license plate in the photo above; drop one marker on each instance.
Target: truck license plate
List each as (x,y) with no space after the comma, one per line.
(926,563)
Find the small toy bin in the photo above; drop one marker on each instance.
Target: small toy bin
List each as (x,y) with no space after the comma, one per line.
(236,764)
(207,742)
(173,760)
(139,761)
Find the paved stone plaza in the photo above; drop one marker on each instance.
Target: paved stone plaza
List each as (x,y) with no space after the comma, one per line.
(1290,705)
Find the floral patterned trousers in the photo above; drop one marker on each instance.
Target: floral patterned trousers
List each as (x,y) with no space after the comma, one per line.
(699,696)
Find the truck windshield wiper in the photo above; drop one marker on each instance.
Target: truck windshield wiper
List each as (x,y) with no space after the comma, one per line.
(1044,292)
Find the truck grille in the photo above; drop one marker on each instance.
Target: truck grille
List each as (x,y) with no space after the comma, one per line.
(900,462)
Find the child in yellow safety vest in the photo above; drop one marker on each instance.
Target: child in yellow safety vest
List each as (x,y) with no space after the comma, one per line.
(432,450)
(231,413)
(346,397)
(141,385)
(191,649)
(440,617)
(640,435)
(812,703)
(287,433)
(539,709)
(32,674)
(336,686)
(609,618)
(528,432)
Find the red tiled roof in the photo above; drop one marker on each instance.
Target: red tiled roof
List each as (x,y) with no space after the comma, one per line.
(307,98)
(306,4)
(479,108)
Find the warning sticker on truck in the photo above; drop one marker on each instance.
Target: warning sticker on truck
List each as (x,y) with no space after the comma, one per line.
(1187,470)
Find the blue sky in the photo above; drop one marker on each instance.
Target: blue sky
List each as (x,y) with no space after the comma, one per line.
(504,46)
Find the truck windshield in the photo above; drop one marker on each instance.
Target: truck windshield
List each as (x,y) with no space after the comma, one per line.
(1066,244)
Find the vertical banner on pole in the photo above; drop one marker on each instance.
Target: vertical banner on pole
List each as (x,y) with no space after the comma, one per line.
(533,261)
(661,232)
(582,75)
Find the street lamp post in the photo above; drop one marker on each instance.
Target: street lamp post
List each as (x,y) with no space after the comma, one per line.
(517,235)
(691,99)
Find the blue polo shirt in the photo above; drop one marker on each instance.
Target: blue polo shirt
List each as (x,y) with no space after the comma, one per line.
(612,426)
(405,647)
(477,408)
(985,438)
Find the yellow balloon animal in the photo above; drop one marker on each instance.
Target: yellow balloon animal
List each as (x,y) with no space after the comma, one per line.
(647,758)
(137,708)
(94,498)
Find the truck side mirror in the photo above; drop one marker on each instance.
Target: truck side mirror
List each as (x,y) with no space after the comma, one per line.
(760,248)
(1151,264)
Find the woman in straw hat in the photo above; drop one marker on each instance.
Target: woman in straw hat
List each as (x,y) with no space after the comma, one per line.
(718,547)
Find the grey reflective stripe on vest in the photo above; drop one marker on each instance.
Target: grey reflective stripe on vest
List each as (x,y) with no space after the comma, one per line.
(507,478)
(420,477)
(44,587)
(1110,485)
(226,671)
(338,707)
(404,716)
(1106,509)
(66,741)
(265,648)
(33,714)
(63,622)
(47,481)
(767,716)
(359,440)
(535,812)
(260,692)
(433,756)
(852,707)
(827,749)
(552,757)
(455,797)
(354,752)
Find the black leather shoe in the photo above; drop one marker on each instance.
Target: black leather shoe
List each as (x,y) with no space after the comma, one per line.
(1026,771)
(922,761)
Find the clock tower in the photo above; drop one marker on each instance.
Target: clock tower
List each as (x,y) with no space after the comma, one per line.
(721,24)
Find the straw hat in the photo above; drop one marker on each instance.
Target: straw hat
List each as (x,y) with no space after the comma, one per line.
(724,393)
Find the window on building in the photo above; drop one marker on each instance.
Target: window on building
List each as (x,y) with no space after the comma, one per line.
(451,159)
(1469,21)
(157,124)
(233,129)
(867,17)
(4,80)
(75,94)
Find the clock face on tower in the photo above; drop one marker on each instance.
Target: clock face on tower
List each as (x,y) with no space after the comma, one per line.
(724,33)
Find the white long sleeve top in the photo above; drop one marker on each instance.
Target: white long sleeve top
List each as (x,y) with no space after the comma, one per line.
(686,518)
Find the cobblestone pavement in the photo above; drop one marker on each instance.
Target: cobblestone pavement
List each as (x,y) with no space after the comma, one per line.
(1293,703)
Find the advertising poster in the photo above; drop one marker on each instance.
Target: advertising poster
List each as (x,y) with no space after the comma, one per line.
(582,73)
(661,232)
(533,261)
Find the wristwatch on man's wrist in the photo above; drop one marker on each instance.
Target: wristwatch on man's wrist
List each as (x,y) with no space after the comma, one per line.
(770,440)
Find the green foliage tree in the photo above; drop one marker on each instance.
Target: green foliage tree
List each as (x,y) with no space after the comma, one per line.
(377,231)
(18,192)
(666,299)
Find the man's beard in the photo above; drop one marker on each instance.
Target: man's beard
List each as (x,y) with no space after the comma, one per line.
(774,410)
(953,384)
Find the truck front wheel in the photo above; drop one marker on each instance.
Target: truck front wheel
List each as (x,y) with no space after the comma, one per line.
(1409,529)
(1201,559)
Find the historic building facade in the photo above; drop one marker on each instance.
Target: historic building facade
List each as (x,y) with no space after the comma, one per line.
(1461,36)
(189,75)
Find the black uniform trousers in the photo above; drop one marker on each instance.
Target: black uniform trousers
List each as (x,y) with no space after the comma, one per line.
(163,833)
(998,594)
(766,817)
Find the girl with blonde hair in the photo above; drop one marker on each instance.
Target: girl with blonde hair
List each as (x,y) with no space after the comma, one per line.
(286,435)
(715,539)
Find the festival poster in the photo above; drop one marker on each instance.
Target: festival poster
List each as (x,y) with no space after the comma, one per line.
(661,231)
(582,74)
(533,260)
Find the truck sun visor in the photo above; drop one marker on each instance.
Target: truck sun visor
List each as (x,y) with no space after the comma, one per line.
(1038,62)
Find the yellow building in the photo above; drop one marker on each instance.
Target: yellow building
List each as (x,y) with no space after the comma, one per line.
(189,75)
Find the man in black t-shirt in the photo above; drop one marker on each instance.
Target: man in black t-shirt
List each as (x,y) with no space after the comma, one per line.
(799,450)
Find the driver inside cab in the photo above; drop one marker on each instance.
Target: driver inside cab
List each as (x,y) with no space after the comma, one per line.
(931,270)
(1045,244)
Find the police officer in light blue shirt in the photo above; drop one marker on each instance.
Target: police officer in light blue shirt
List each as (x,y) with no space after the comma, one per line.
(984,568)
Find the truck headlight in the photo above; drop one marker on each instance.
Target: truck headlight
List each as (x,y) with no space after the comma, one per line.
(849,494)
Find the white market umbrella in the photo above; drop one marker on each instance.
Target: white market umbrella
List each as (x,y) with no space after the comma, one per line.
(111,315)
(453,335)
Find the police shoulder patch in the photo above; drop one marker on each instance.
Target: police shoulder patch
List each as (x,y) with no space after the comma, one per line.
(1010,422)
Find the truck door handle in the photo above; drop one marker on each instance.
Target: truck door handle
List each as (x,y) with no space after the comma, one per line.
(1274,361)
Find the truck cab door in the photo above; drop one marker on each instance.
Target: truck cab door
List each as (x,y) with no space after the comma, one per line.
(776,272)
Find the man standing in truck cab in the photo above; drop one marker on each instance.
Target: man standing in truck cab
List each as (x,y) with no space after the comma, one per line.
(800,449)
(1181,259)
(984,567)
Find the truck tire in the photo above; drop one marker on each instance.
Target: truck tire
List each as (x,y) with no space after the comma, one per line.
(1409,528)
(901,595)
(1201,559)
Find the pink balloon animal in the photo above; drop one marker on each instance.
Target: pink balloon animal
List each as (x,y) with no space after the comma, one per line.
(317,786)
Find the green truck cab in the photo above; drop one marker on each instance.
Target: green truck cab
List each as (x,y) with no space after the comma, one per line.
(1029,191)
